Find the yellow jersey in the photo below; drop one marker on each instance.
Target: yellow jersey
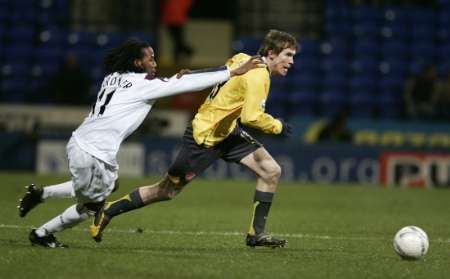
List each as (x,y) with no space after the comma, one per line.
(241,97)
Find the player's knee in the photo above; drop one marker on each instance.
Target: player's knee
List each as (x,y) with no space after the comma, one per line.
(272,172)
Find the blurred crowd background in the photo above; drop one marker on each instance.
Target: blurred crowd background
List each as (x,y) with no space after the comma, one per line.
(376,59)
(371,73)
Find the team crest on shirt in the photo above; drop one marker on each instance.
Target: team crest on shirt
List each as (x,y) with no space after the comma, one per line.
(263,104)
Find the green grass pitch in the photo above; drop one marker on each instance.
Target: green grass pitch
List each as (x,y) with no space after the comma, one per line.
(334,231)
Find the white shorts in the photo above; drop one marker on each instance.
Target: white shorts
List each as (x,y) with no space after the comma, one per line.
(93,180)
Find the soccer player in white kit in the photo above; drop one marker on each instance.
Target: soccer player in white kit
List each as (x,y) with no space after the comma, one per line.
(126,96)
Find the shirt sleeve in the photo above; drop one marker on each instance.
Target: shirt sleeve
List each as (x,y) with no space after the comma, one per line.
(197,80)
(253,114)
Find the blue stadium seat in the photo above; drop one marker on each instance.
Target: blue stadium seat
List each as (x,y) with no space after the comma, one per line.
(14,89)
(369,29)
(305,81)
(52,37)
(20,53)
(305,64)
(48,56)
(362,104)
(366,47)
(444,69)
(335,47)
(15,70)
(80,39)
(309,48)
(333,101)
(334,82)
(419,16)
(391,84)
(150,38)
(394,49)
(398,69)
(424,51)
(367,66)
(423,32)
(21,35)
(396,32)
(364,13)
(335,65)
(390,106)
(342,28)
(363,84)
(249,45)
(304,102)
(109,40)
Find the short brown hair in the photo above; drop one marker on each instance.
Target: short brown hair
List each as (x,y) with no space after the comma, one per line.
(277,41)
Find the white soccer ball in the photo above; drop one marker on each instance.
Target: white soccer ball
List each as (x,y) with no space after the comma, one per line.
(411,243)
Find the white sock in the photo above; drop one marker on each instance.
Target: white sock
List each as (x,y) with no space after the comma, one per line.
(69,218)
(63,190)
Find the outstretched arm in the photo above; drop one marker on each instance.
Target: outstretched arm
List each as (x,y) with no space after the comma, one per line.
(189,81)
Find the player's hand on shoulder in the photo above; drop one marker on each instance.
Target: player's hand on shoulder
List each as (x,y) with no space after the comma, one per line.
(286,130)
(252,63)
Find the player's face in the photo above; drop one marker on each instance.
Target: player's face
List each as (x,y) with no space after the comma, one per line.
(147,63)
(279,64)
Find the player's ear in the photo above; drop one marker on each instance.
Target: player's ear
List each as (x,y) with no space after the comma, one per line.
(271,54)
(138,63)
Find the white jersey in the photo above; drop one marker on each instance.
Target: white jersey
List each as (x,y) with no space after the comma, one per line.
(123,102)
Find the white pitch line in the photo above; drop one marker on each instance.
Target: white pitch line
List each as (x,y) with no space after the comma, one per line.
(198,233)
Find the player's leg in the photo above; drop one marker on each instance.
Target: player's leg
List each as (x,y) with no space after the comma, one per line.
(191,161)
(242,148)
(44,235)
(93,181)
(268,172)
(36,195)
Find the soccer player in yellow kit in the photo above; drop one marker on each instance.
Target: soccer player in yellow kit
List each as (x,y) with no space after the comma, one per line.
(217,132)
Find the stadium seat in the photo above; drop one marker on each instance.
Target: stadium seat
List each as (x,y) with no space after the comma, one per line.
(20,53)
(108,40)
(15,89)
(369,29)
(335,47)
(423,32)
(362,84)
(80,39)
(394,49)
(305,81)
(362,104)
(305,64)
(150,38)
(308,47)
(304,102)
(423,51)
(21,35)
(390,106)
(47,54)
(248,45)
(333,101)
(335,82)
(391,84)
(367,66)
(365,13)
(366,47)
(396,32)
(335,65)
(52,37)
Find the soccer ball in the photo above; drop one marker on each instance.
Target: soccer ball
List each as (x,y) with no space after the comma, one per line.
(411,243)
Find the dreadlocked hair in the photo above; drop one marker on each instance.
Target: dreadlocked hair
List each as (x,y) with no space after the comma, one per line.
(121,59)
